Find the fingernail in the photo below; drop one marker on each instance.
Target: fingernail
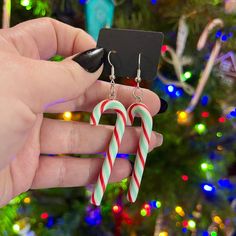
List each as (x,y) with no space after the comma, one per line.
(164,106)
(159,139)
(90,60)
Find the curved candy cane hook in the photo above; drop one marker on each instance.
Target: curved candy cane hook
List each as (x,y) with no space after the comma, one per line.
(206,72)
(139,109)
(113,147)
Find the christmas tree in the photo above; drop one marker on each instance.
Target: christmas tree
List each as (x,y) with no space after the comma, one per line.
(188,187)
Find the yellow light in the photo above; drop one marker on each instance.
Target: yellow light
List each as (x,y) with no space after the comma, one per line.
(222,226)
(27,200)
(178,209)
(16,228)
(67,115)
(219,148)
(217,220)
(178,224)
(164,233)
(182,117)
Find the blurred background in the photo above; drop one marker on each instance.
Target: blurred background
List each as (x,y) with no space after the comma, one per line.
(189,184)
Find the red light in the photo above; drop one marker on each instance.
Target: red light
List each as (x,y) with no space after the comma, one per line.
(44,215)
(185,223)
(116,209)
(205,114)
(184,177)
(222,119)
(146,206)
(164,48)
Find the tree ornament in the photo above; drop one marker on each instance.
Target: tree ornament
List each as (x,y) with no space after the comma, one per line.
(177,59)
(211,61)
(99,14)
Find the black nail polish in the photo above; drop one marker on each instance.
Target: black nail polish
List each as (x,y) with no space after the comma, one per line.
(132,165)
(164,106)
(90,60)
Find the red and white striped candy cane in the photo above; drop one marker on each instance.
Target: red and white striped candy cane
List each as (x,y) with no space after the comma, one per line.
(141,110)
(113,147)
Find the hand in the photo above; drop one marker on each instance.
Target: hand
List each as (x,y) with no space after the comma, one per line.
(30,86)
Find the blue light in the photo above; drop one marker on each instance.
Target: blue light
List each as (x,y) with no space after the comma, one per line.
(208,187)
(50,222)
(224,38)
(122,155)
(171,88)
(178,93)
(184,230)
(93,216)
(230,34)
(153,2)
(225,183)
(233,113)
(205,233)
(204,100)
(82,2)
(218,34)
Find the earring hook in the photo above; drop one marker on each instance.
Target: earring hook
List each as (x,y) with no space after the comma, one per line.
(138,80)
(112,77)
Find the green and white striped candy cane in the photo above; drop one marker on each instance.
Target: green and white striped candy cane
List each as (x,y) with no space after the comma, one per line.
(113,147)
(141,110)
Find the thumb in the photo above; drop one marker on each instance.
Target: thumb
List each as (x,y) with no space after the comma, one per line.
(57,82)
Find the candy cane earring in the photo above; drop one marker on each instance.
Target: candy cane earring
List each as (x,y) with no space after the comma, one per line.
(112,150)
(141,110)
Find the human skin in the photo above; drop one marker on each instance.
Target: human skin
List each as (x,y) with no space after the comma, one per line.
(30,86)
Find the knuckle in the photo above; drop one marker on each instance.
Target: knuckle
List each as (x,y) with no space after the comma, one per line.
(61,173)
(73,138)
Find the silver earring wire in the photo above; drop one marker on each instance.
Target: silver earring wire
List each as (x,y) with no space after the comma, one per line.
(112,77)
(138,80)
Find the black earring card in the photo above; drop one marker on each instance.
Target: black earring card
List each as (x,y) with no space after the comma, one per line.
(128,44)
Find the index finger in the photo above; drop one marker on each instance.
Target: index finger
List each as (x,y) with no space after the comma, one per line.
(43,38)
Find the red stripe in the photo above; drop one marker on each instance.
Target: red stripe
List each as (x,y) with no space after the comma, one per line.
(93,119)
(145,133)
(109,159)
(136,180)
(117,137)
(141,157)
(122,116)
(134,105)
(103,105)
(129,196)
(131,118)
(93,199)
(102,182)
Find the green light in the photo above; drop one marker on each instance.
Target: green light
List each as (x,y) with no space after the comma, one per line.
(25,3)
(219,134)
(213,233)
(158,204)
(28,7)
(143,212)
(187,74)
(16,228)
(191,224)
(204,166)
(200,128)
